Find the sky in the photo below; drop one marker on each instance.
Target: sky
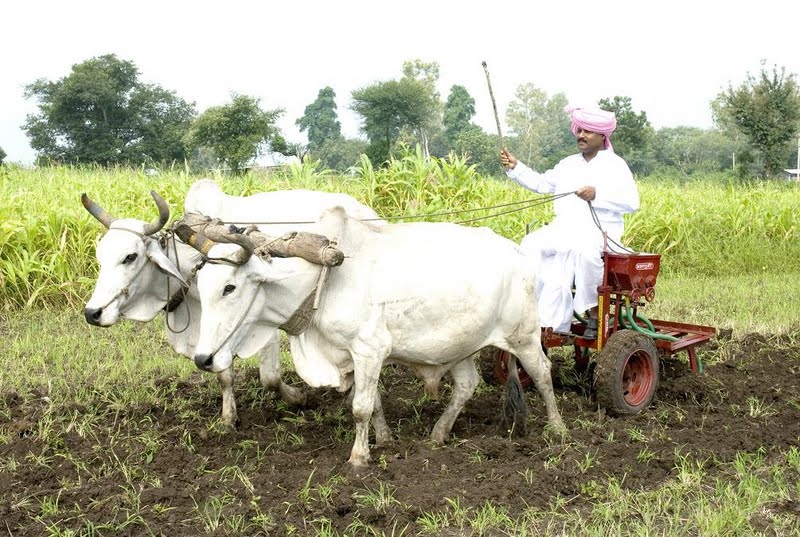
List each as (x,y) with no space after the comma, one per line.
(671,58)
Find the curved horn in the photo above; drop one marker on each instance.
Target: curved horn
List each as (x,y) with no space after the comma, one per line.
(247,244)
(163,215)
(195,239)
(95,210)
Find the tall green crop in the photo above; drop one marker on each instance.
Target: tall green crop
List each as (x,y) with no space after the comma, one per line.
(708,227)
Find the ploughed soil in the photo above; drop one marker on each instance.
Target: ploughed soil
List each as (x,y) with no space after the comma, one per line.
(169,468)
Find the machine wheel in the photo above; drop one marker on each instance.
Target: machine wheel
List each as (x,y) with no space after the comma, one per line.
(501,369)
(626,373)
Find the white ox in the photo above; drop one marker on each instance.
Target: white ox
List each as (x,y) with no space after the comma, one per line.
(141,269)
(426,295)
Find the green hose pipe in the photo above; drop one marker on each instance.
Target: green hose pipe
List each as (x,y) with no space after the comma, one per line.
(650,332)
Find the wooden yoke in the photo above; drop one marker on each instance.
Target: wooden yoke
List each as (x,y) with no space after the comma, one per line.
(202,232)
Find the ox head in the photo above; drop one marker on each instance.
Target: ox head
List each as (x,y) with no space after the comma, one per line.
(237,319)
(131,260)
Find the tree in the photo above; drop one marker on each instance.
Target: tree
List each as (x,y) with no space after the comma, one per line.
(236,132)
(633,137)
(3,155)
(320,119)
(766,111)
(386,108)
(340,153)
(458,112)
(541,127)
(426,73)
(692,150)
(481,149)
(101,113)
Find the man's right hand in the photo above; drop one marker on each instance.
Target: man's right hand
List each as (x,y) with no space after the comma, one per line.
(507,160)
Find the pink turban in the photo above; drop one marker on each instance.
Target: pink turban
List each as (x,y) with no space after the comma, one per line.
(593,120)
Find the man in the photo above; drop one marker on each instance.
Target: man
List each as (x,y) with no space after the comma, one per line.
(569,248)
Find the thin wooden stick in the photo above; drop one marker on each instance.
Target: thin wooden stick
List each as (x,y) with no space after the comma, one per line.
(494,105)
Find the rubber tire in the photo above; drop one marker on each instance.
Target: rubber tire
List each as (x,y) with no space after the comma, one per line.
(626,373)
(501,370)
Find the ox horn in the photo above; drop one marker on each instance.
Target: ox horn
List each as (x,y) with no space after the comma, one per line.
(247,244)
(196,240)
(95,210)
(163,215)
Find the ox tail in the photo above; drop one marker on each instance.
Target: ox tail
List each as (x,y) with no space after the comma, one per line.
(515,408)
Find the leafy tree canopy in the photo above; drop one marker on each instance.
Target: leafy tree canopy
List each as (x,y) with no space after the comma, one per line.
(633,137)
(541,127)
(386,108)
(633,129)
(766,110)
(458,112)
(236,132)
(3,155)
(341,153)
(320,119)
(692,150)
(102,113)
(481,149)
(427,73)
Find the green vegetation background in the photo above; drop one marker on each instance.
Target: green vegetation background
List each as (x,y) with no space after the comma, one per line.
(721,239)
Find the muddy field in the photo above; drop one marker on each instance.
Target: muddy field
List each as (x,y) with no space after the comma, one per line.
(169,468)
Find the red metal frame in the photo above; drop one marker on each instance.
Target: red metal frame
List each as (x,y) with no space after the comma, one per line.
(630,279)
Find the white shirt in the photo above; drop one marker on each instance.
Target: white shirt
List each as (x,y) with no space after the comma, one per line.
(615,191)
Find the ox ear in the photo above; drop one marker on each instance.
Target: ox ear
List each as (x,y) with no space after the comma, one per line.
(272,271)
(164,263)
(334,224)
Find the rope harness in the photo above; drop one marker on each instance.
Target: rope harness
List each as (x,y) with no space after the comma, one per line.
(241,319)
(300,320)
(174,301)
(125,290)
(596,220)
(518,206)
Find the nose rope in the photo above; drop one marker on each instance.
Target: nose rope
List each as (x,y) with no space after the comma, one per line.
(236,326)
(180,297)
(124,290)
(298,322)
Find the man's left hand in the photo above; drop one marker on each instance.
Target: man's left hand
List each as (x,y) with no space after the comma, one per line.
(586,193)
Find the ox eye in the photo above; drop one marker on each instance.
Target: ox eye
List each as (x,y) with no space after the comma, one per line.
(228,290)
(130,258)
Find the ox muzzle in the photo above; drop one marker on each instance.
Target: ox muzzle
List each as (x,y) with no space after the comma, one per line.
(204,361)
(93,316)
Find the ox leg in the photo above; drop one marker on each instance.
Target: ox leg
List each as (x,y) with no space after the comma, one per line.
(269,371)
(365,393)
(229,416)
(538,366)
(383,435)
(465,379)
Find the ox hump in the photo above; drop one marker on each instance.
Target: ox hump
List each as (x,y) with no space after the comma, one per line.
(204,197)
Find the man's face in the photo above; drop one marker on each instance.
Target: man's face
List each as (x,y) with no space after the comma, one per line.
(590,142)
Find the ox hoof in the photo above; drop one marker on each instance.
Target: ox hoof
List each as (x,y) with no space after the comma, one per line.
(358,466)
(558,430)
(383,438)
(293,396)
(439,438)
(230,426)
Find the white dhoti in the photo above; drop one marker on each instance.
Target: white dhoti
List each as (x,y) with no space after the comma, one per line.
(565,257)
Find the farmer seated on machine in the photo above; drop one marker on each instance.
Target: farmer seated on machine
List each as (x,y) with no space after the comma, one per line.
(569,249)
